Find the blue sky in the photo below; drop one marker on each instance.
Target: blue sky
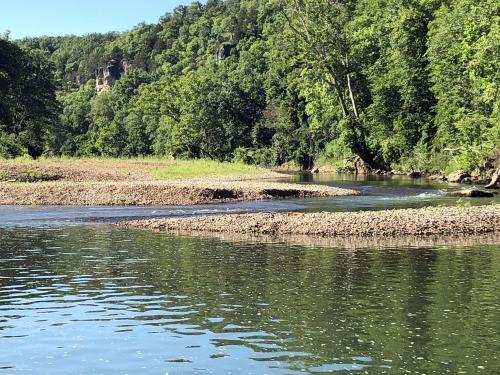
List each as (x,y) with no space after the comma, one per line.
(78,17)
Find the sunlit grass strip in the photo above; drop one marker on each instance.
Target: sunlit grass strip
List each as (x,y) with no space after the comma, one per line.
(200,168)
(144,167)
(56,159)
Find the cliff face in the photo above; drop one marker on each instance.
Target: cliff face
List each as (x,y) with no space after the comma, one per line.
(224,51)
(107,76)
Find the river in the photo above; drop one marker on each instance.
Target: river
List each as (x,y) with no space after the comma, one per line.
(81,296)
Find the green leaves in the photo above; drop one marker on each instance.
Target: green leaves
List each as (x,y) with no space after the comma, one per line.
(394,82)
(28,106)
(463,52)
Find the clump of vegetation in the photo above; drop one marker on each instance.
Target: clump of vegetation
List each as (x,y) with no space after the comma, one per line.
(404,84)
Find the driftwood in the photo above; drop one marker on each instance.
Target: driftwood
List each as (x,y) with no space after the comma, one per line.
(495,179)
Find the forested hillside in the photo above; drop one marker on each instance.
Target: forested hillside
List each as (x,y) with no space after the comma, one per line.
(406,84)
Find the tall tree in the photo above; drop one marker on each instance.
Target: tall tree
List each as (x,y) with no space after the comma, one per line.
(28,105)
(320,26)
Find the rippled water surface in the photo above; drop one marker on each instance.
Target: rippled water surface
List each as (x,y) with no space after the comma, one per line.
(380,193)
(83,298)
(104,300)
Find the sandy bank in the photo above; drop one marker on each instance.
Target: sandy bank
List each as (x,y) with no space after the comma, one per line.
(143,193)
(407,222)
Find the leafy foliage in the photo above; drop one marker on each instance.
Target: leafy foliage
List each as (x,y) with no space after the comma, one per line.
(410,84)
(28,106)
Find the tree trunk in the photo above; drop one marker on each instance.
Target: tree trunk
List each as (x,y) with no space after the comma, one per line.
(349,86)
(340,96)
(359,148)
(351,94)
(495,179)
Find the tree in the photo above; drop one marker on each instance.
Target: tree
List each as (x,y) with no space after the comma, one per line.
(28,105)
(389,41)
(463,50)
(321,29)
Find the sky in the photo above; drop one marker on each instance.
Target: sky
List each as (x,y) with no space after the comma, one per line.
(62,17)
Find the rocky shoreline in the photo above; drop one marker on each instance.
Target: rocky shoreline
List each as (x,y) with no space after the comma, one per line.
(429,221)
(145,193)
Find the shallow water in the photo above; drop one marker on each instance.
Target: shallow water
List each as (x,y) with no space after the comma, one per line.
(378,193)
(80,298)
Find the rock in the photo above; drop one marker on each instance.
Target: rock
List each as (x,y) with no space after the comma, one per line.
(472,193)
(458,176)
(106,77)
(360,167)
(467,180)
(127,66)
(481,181)
(488,165)
(415,174)
(437,177)
(224,51)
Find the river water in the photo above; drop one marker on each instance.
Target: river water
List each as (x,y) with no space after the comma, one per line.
(81,296)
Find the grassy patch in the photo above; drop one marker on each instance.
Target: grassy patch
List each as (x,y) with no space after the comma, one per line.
(200,168)
(101,169)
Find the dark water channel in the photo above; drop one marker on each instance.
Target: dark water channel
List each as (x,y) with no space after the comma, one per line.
(97,299)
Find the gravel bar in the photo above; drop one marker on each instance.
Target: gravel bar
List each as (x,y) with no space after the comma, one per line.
(146,193)
(404,222)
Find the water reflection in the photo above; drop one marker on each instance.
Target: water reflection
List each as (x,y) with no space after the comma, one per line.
(108,300)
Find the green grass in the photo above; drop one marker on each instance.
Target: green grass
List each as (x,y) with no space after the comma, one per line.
(162,168)
(201,168)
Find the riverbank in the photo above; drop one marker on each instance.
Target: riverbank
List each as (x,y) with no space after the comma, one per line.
(145,193)
(490,178)
(406,222)
(144,182)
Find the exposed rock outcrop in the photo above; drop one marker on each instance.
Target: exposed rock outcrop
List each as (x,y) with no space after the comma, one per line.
(438,177)
(106,77)
(360,167)
(224,51)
